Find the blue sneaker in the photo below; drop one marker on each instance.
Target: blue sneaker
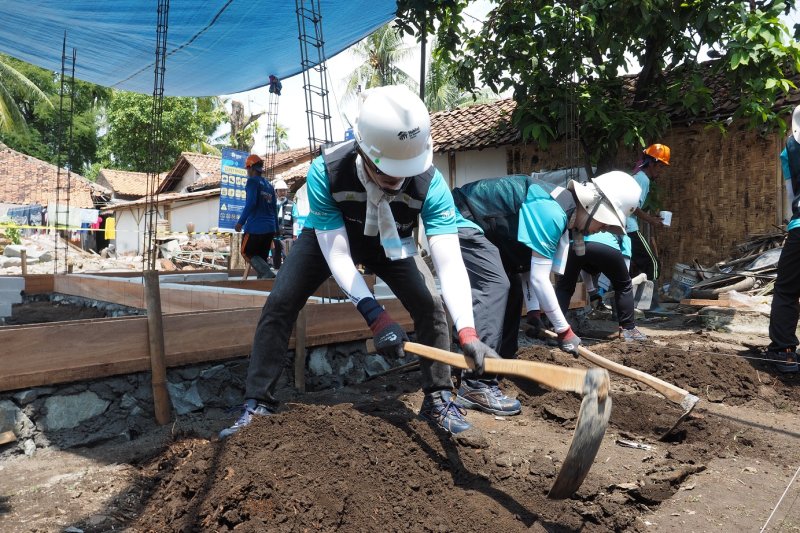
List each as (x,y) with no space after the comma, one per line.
(440,410)
(250,407)
(486,396)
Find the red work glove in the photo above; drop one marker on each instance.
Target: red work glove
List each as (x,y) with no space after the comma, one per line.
(472,347)
(568,341)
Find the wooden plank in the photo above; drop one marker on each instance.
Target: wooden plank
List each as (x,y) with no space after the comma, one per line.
(6,437)
(38,283)
(698,302)
(46,354)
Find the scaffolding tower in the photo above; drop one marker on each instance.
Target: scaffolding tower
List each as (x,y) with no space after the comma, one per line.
(272,127)
(315,73)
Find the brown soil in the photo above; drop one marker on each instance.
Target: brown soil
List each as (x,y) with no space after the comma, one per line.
(358,459)
(40,312)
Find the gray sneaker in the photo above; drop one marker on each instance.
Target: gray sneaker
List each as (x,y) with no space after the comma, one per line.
(632,335)
(486,396)
(250,408)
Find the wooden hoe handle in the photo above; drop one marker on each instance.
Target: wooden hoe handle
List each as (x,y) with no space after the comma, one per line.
(672,392)
(552,376)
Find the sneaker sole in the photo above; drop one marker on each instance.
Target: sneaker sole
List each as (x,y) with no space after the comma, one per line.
(466,404)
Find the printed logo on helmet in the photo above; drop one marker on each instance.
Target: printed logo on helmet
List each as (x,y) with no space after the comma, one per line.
(408,135)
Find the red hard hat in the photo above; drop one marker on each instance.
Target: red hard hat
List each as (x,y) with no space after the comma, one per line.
(251,160)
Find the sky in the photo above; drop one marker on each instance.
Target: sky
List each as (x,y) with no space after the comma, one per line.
(291,108)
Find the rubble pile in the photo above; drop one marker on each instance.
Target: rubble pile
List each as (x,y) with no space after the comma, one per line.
(183,252)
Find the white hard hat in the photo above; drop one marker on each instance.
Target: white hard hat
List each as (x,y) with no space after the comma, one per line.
(279,184)
(393,129)
(610,198)
(796,124)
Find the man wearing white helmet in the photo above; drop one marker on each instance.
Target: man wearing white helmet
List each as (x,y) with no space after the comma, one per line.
(366,196)
(283,237)
(785,307)
(517,224)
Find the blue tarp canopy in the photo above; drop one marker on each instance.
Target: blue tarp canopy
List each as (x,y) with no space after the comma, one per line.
(214,47)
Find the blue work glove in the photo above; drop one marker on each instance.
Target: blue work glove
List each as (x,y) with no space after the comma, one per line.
(568,341)
(536,326)
(387,334)
(472,347)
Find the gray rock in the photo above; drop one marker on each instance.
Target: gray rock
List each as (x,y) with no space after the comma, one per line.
(186,374)
(13,250)
(69,411)
(29,447)
(128,402)
(185,397)
(318,363)
(27,396)
(375,364)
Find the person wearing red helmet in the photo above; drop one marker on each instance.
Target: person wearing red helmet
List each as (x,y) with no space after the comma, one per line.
(258,218)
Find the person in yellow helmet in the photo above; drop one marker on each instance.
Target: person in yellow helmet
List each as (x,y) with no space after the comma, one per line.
(643,259)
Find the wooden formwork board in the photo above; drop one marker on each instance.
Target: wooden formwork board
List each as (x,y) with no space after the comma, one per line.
(38,283)
(46,354)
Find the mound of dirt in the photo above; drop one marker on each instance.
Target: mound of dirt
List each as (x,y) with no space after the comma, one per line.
(372,465)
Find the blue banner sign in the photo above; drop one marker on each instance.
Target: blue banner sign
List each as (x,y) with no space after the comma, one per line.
(232,187)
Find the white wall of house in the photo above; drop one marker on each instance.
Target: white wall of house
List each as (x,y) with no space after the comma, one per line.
(129,229)
(473,165)
(187,179)
(202,212)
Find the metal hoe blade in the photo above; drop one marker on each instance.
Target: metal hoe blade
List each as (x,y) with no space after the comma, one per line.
(589,430)
(689,402)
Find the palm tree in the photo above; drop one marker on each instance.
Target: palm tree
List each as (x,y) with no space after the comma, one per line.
(13,83)
(379,54)
(441,91)
(282,137)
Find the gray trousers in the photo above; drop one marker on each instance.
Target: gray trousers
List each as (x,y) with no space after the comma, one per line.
(496,294)
(304,270)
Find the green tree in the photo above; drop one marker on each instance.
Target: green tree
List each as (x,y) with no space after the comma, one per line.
(282,135)
(379,55)
(39,112)
(15,85)
(442,92)
(564,59)
(185,123)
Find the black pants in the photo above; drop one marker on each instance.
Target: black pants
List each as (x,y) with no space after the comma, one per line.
(599,258)
(277,253)
(643,258)
(257,244)
(785,307)
(303,272)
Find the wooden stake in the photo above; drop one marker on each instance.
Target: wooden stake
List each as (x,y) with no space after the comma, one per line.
(7,436)
(300,351)
(23,254)
(155,330)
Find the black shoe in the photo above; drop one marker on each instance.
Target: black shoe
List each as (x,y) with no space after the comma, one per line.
(785,359)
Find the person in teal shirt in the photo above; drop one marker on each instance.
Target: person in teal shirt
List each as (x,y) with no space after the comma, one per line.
(366,197)
(516,225)
(603,255)
(785,310)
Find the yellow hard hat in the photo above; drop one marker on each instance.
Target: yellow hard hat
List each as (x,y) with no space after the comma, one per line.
(659,152)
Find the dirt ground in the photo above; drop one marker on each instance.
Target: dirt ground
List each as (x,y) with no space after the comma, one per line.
(358,459)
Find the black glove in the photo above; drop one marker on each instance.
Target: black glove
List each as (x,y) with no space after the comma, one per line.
(388,336)
(568,341)
(472,347)
(535,327)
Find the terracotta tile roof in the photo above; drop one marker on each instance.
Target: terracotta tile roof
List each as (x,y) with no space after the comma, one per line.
(474,127)
(26,180)
(126,184)
(208,166)
(163,199)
